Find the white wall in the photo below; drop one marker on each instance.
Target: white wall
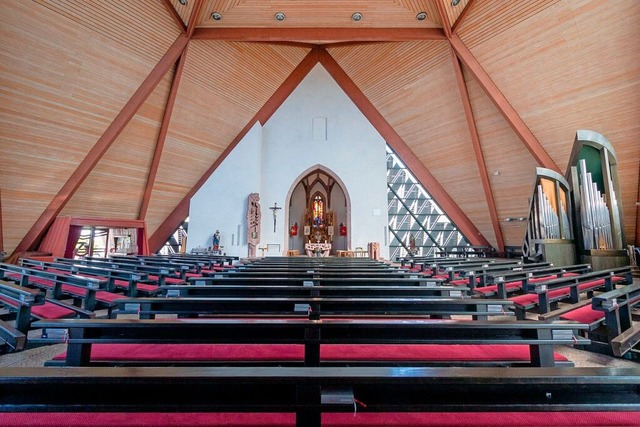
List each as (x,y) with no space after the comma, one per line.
(221,203)
(353,151)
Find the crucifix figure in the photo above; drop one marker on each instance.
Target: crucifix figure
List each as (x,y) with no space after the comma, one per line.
(275,210)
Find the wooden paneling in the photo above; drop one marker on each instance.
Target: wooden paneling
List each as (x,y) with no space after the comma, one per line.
(61,84)
(571,66)
(511,168)
(223,86)
(326,13)
(413,85)
(115,187)
(141,26)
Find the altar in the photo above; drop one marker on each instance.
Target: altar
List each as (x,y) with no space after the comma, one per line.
(317,249)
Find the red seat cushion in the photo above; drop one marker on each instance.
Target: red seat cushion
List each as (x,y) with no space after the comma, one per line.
(141,286)
(51,311)
(255,419)
(107,297)
(295,352)
(584,314)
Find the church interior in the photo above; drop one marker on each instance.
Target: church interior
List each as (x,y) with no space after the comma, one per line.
(336,213)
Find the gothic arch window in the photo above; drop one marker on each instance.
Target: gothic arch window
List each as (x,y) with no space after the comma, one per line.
(318,208)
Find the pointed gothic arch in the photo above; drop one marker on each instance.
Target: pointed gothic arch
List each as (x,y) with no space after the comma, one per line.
(308,173)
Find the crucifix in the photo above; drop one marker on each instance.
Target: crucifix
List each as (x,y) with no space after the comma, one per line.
(275,210)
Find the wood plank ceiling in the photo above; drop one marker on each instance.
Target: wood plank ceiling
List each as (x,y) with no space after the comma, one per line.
(70,67)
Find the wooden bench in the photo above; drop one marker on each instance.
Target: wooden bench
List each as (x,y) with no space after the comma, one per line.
(309,396)
(87,292)
(540,337)
(542,295)
(308,289)
(131,282)
(324,281)
(11,339)
(29,304)
(159,275)
(316,307)
(504,283)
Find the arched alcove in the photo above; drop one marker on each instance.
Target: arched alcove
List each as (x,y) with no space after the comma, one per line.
(317,183)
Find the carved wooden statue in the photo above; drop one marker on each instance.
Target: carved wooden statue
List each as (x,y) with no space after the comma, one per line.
(253,223)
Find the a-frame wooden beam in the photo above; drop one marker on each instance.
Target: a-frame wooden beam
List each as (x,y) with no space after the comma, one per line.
(1,235)
(174,14)
(444,18)
(181,211)
(502,104)
(319,35)
(473,131)
(193,19)
(162,135)
(477,149)
(392,138)
(637,244)
(461,17)
(102,145)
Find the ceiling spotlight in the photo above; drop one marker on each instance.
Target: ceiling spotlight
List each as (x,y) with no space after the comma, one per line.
(357,16)
(454,3)
(279,16)
(421,16)
(183,2)
(216,16)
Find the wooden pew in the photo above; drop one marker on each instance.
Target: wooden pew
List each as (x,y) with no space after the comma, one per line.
(29,304)
(592,396)
(131,282)
(87,292)
(500,285)
(197,291)
(542,295)
(539,336)
(159,275)
(324,281)
(11,339)
(316,307)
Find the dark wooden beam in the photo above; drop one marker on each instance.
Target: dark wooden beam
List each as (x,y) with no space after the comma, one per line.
(392,138)
(174,14)
(477,149)
(181,211)
(502,104)
(461,17)
(162,135)
(319,35)
(102,145)
(193,19)
(444,18)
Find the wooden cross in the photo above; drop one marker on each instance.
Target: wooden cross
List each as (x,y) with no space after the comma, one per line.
(275,210)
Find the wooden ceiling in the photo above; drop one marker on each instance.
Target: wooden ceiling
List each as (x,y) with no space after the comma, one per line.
(123,109)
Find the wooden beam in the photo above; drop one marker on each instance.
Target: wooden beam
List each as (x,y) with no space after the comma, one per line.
(181,211)
(102,145)
(392,138)
(444,18)
(174,14)
(162,135)
(461,17)
(319,35)
(1,235)
(193,19)
(637,243)
(500,101)
(477,149)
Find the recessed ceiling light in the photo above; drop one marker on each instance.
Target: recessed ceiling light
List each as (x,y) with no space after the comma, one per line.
(357,16)
(454,3)
(279,16)
(421,16)
(216,16)
(183,2)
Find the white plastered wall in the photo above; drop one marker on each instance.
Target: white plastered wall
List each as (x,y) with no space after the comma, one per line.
(317,125)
